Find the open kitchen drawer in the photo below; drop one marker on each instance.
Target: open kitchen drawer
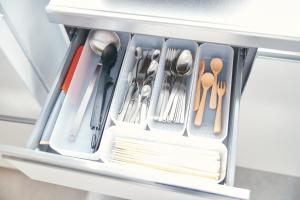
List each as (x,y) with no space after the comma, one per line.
(98,177)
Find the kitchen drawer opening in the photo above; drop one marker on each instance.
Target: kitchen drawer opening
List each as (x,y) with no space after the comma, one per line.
(208,130)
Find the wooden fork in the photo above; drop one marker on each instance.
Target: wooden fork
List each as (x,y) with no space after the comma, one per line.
(221,89)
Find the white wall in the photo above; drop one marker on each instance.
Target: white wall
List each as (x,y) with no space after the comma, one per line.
(269,134)
(16,100)
(44,44)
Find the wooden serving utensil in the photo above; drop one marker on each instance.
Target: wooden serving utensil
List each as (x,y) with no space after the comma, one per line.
(218,120)
(207,81)
(198,89)
(216,65)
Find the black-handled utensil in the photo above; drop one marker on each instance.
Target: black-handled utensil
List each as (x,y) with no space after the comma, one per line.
(106,44)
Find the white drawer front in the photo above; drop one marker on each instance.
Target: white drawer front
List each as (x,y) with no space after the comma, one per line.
(118,186)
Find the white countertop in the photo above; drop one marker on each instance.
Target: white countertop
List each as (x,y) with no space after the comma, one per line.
(257,23)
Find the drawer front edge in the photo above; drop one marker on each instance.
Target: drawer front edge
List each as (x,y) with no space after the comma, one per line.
(96,178)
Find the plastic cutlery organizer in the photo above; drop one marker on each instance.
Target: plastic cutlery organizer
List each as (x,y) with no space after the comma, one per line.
(167,136)
(145,42)
(163,127)
(207,52)
(85,70)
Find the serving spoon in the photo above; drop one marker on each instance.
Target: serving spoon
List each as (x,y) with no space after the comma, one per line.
(106,45)
(207,81)
(216,65)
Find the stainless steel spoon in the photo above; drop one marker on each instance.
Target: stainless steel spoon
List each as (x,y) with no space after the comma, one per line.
(152,69)
(146,93)
(184,66)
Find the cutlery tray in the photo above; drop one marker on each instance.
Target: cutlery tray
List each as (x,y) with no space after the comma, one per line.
(145,42)
(208,51)
(85,70)
(84,73)
(170,133)
(172,128)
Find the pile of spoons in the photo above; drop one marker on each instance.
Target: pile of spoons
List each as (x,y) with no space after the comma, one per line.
(171,105)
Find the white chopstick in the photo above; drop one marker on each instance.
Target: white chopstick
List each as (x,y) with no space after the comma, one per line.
(168,168)
(167,157)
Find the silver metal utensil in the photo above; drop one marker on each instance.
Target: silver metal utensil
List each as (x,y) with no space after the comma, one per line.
(146,92)
(167,80)
(140,79)
(162,92)
(128,101)
(183,103)
(182,69)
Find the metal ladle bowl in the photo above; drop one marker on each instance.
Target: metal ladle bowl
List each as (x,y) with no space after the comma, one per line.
(105,44)
(99,40)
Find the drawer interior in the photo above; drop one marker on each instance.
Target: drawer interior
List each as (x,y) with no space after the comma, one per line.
(240,55)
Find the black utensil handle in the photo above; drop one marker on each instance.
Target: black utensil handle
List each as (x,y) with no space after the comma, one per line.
(97,133)
(100,97)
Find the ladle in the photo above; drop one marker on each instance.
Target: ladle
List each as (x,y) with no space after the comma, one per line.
(106,45)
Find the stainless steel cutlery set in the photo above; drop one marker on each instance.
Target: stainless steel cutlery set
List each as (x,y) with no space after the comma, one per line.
(141,81)
(171,105)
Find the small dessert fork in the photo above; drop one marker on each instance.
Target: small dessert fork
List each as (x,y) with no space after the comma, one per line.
(221,89)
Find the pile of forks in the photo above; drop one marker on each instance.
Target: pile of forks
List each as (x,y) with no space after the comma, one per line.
(171,105)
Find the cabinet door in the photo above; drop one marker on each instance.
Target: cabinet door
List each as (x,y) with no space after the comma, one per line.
(269,116)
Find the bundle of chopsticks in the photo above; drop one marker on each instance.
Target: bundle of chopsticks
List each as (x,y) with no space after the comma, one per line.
(167,157)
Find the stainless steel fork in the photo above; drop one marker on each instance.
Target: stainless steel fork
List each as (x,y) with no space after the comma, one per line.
(163,91)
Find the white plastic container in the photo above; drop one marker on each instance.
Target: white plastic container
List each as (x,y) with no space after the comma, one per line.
(81,147)
(171,128)
(209,51)
(147,42)
(156,175)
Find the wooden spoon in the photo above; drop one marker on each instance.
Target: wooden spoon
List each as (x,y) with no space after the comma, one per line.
(198,89)
(207,81)
(216,65)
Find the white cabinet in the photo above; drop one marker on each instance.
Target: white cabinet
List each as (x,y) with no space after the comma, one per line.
(33,46)
(31,49)
(269,117)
